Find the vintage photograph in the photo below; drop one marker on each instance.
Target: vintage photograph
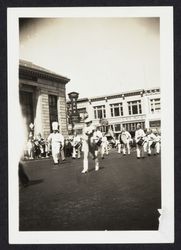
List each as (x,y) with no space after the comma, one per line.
(89,102)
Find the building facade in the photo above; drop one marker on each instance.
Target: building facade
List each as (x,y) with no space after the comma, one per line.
(42,96)
(124,109)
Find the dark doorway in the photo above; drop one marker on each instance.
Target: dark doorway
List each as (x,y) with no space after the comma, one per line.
(53,112)
(26,102)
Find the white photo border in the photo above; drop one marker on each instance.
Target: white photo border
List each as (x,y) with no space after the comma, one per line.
(165,234)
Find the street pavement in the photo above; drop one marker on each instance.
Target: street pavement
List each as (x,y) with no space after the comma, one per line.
(123,195)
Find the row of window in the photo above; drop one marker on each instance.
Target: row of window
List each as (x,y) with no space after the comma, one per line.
(134,107)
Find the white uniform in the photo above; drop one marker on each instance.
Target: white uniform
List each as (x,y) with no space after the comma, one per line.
(97,136)
(57,142)
(104,146)
(158,142)
(145,145)
(151,140)
(139,148)
(127,145)
(76,151)
(87,140)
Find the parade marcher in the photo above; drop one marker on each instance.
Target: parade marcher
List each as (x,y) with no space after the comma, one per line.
(41,145)
(68,149)
(126,141)
(76,146)
(119,144)
(151,143)
(145,145)
(37,151)
(88,145)
(97,140)
(158,142)
(104,146)
(57,142)
(139,138)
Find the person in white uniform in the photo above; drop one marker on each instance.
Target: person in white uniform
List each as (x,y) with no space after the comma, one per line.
(151,143)
(97,140)
(76,146)
(139,138)
(145,144)
(89,145)
(56,140)
(126,146)
(158,143)
(104,146)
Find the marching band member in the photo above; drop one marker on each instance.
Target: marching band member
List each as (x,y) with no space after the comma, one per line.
(151,142)
(158,142)
(57,143)
(139,138)
(126,145)
(88,145)
(119,144)
(145,145)
(76,146)
(104,146)
(97,140)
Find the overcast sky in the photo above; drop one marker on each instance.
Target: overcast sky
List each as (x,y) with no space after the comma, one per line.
(101,56)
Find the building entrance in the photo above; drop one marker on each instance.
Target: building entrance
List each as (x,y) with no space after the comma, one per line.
(26,102)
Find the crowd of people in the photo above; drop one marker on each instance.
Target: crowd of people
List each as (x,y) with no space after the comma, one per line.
(93,142)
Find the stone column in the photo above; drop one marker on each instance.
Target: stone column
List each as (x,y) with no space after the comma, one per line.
(45,113)
(62,113)
(38,112)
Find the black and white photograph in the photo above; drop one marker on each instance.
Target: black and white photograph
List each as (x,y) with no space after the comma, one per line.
(90,111)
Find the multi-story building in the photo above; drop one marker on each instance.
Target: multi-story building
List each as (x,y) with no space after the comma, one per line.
(124,109)
(42,98)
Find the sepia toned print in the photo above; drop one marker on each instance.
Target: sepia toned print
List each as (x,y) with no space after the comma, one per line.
(90,100)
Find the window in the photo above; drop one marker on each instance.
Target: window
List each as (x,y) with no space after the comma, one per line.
(116,109)
(100,112)
(134,107)
(132,126)
(117,127)
(53,113)
(155,105)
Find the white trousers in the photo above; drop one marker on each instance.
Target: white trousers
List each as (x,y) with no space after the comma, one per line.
(104,149)
(139,151)
(119,148)
(56,152)
(145,146)
(126,146)
(155,150)
(85,160)
(56,156)
(157,146)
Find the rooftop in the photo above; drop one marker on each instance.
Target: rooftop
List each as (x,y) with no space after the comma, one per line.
(122,94)
(26,67)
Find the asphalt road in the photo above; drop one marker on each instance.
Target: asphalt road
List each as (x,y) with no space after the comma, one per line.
(123,195)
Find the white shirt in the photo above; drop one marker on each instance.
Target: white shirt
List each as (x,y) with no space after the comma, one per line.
(87,131)
(56,138)
(151,137)
(76,140)
(138,134)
